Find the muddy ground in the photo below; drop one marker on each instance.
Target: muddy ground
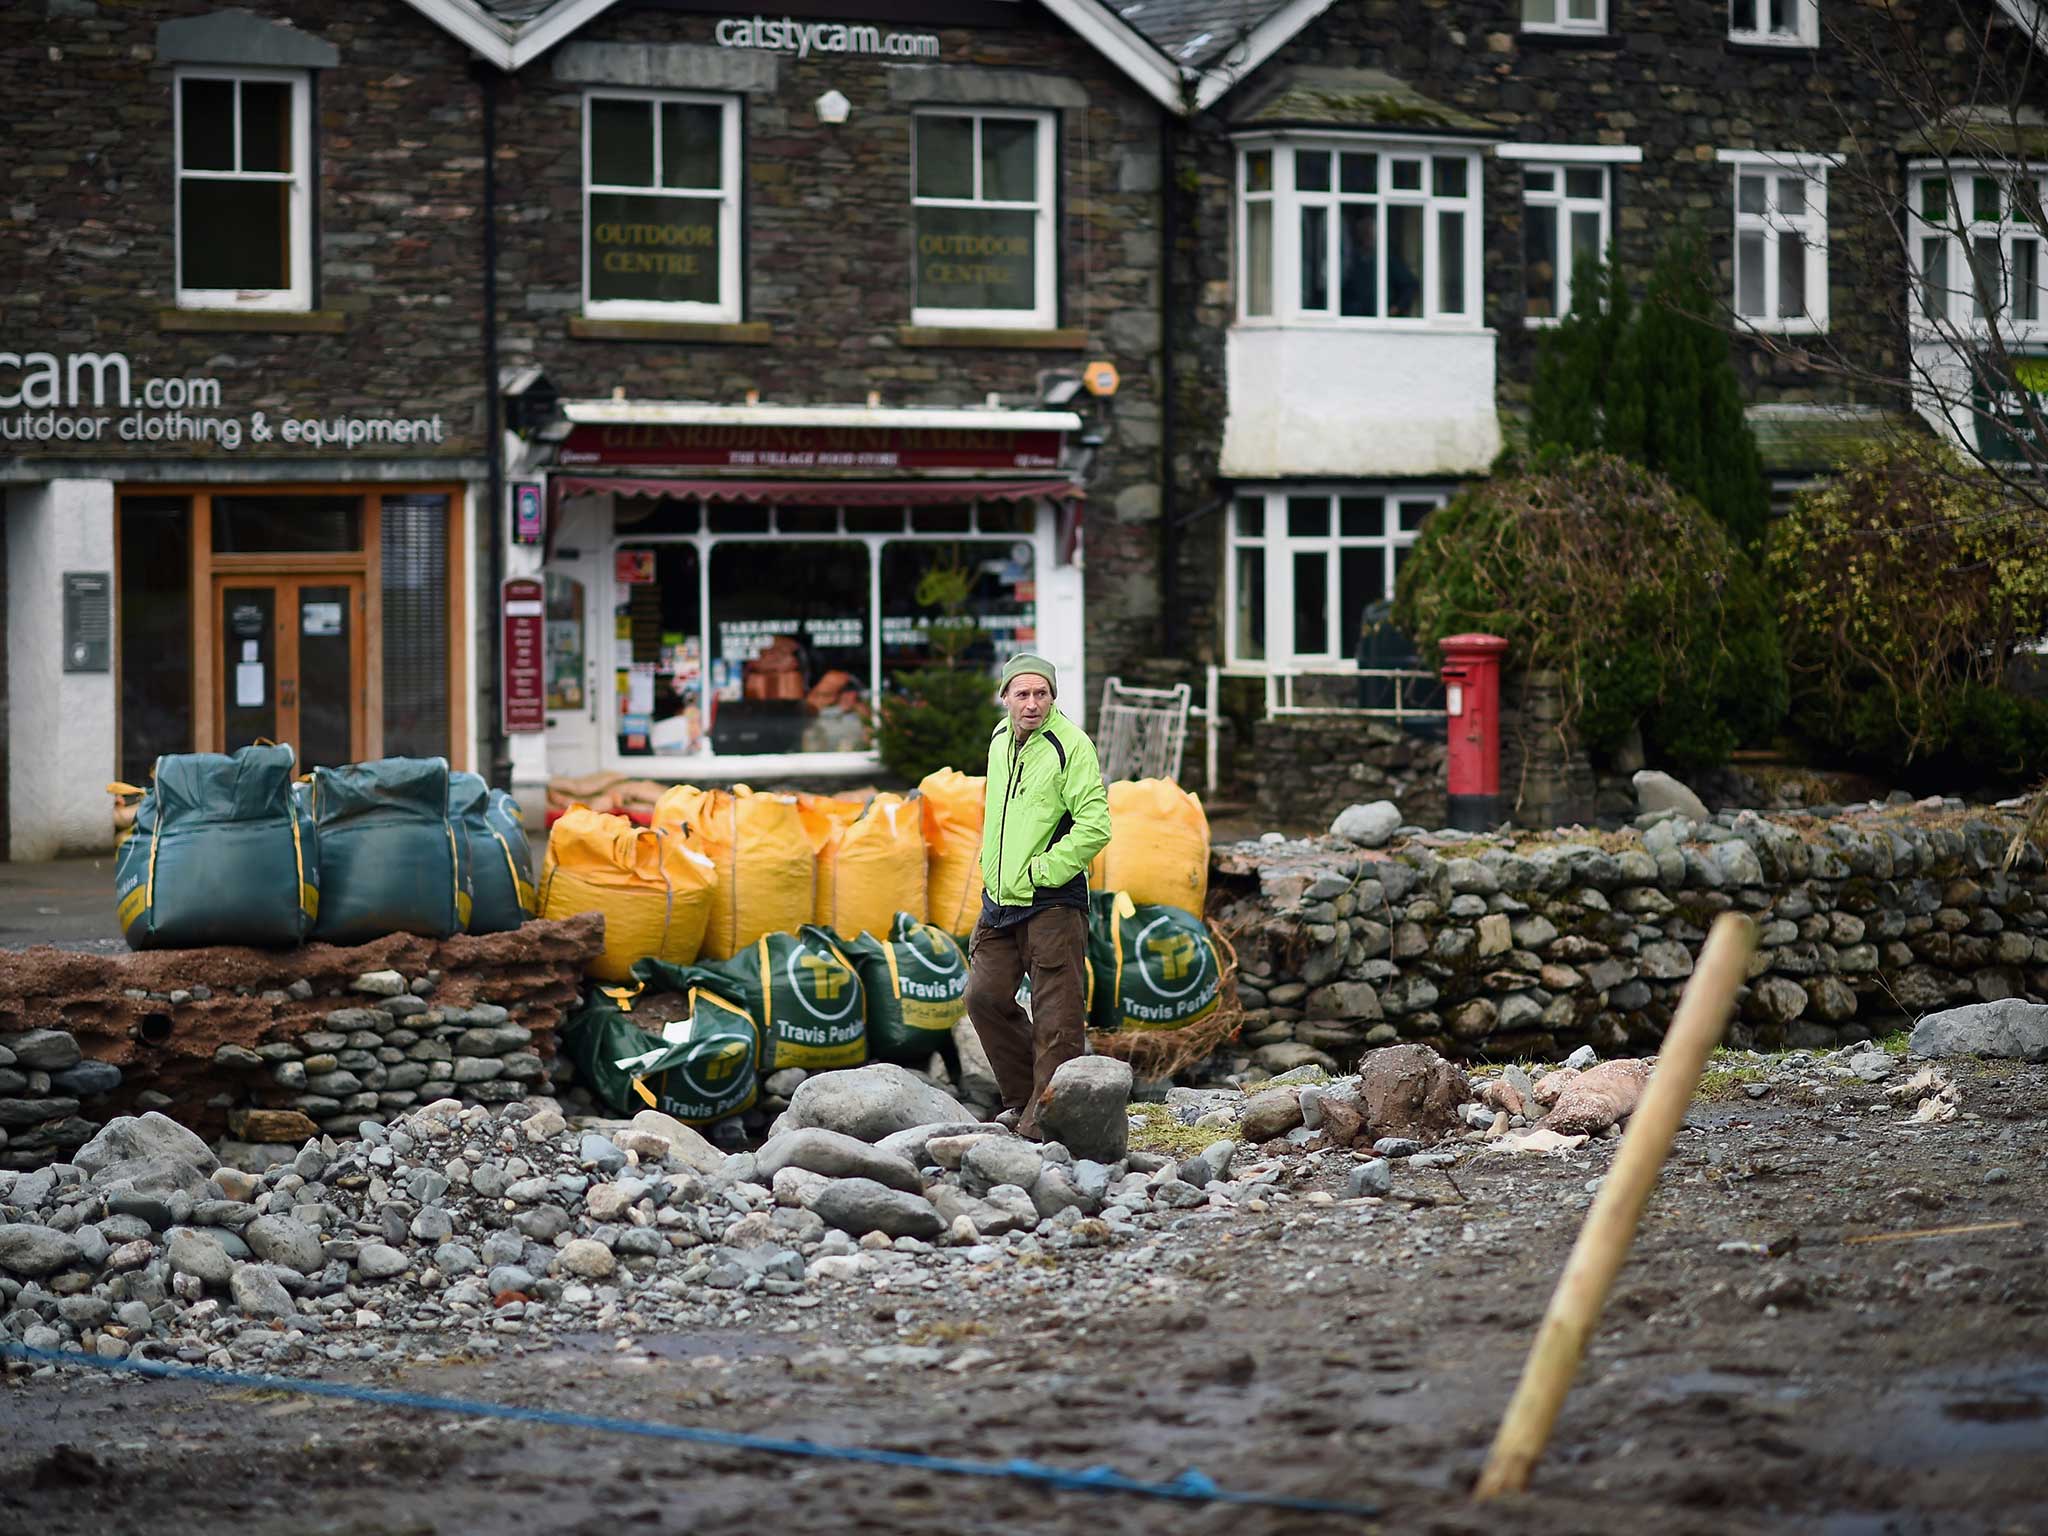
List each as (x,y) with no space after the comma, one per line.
(1361,1351)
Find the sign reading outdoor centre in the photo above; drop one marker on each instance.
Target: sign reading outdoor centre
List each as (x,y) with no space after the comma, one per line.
(768,447)
(97,399)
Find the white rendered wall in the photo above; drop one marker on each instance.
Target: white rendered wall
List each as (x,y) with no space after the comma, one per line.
(60,725)
(1358,404)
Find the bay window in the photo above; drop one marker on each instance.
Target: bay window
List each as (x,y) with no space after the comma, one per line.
(244,199)
(1976,236)
(1306,564)
(982,202)
(661,207)
(1343,229)
(1781,240)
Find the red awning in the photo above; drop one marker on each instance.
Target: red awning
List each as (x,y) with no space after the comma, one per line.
(822,493)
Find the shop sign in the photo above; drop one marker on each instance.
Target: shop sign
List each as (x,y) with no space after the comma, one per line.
(827,448)
(525,652)
(529,517)
(2004,434)
(785,34)
(98,399)
(88,621)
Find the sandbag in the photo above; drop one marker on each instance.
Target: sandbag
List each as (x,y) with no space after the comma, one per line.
(915,984)
(1159,966)
(501,889)
(765,870)
(662,1044)
(390,860)
(1158,846)
(653,889)
(803,992)
(871,868)
(219,852)
(950,803)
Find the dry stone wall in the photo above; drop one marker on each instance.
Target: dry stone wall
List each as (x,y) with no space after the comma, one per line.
(1494,948)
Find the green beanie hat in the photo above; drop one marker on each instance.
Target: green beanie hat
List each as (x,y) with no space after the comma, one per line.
(1024,662)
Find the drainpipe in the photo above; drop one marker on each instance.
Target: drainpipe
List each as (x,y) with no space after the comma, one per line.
(499,768)
(1169,521)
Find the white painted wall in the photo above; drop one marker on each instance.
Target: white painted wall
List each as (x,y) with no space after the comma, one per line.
(1348,403)
(60,725)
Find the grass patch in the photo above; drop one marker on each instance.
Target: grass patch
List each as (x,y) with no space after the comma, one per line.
(1728,1071)
(1153,1129)
(1894,1044)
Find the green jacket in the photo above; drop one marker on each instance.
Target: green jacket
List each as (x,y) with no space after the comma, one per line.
(1046,815)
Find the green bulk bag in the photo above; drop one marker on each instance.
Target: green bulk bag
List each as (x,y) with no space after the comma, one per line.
(492,834)
(666,1042)
(1158,965)
(391,861)
(915,983)
(219,854)
(803,992)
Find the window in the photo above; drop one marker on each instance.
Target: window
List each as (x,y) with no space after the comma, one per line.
(1976,241)
(244,211)
(1775,23)
(1359,230)
(661,208)
(767,638)
(1565,229)
(982,196)
(1564,16)
(1781,240)
(1319,560)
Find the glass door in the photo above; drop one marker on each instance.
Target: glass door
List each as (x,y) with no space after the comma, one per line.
(292,664)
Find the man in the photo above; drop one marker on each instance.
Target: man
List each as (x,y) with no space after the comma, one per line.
(1045,818)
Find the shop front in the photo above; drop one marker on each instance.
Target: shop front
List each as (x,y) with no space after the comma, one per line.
(731,593)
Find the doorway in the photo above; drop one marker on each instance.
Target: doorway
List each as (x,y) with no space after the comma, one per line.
(291,664)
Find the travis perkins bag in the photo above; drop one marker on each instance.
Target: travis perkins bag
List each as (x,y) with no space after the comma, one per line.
(803,992)
(500,862)
(916,986)
(664,1042)
(1159,967)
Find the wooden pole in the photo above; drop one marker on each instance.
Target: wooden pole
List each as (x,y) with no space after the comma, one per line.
(1618,1208)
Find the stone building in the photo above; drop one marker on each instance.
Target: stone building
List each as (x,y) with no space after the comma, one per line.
(1153,329)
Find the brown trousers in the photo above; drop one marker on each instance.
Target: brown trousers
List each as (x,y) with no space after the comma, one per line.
(1026,1049)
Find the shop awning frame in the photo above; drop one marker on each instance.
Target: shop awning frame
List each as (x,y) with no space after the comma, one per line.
(819,493)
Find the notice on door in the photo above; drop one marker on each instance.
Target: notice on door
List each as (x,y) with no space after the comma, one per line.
(524,607)
(320,618)
(249,685)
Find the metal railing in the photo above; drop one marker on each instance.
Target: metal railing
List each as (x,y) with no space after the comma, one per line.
(1280,699)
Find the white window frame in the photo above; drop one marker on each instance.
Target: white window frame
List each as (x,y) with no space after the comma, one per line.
(1560,23)
(1288,204)
(1811,225)
(727,310)
(1044,312)
(1280,547)
(1960,235)
(299,296)
(1803,31)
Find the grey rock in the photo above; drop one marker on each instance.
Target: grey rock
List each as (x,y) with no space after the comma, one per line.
(1219,1155)
(685,1144)
(996,1160)
(1396,1146)
(2008,1028)
(869,1103)
(836,1156)
(860,1206)
(378,984)
(1087,1108)
(1580,1059)
(456,1259)
(1370,826)
(147,1152)
(151,1208)
(1270,1114)
(599,1152)
(432,1225)
(87,1080)
(1374,1177)
(83,1312)
(509,1277)
(1656,791)
(911,1145)
(1055,1190)
(200,1255)
(380,1261)
(284,1241)
(42,1050)
(36,1251)
(257,1290)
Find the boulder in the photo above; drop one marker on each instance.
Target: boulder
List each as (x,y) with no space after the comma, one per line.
(34,1251)
(1267,1115)
(836,1156)
(258,1292)
(1599,1097)
(1087,1108)
(2008,1028)
(685,1145)
(1409,1090)
(284,1241)
(1370,826)
(1656,791)
(149,1152)
(869,1103)
(994,1160)
(42,1050)
(200,1256)
(861,1206)
(913,1143)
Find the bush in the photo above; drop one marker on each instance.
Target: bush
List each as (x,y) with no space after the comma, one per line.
(1603,572)
(1905,585)
(942,718)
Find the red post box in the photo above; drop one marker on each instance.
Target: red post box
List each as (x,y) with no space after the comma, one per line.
(1471,674)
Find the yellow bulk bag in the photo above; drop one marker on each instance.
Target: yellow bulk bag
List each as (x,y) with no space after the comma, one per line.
(952,803)
(766,867)
(1158,846)
(653,888)
(822,815)
(872,868)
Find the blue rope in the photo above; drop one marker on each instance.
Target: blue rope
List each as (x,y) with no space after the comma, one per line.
(1190,1487)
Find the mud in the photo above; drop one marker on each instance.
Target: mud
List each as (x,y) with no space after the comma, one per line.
(1801,1382)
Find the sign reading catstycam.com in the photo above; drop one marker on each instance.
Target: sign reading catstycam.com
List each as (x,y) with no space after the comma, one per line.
(804,38)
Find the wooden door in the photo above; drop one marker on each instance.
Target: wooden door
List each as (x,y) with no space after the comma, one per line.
(291,664)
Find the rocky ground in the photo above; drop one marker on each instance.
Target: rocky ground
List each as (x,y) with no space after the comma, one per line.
(1196,1301)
